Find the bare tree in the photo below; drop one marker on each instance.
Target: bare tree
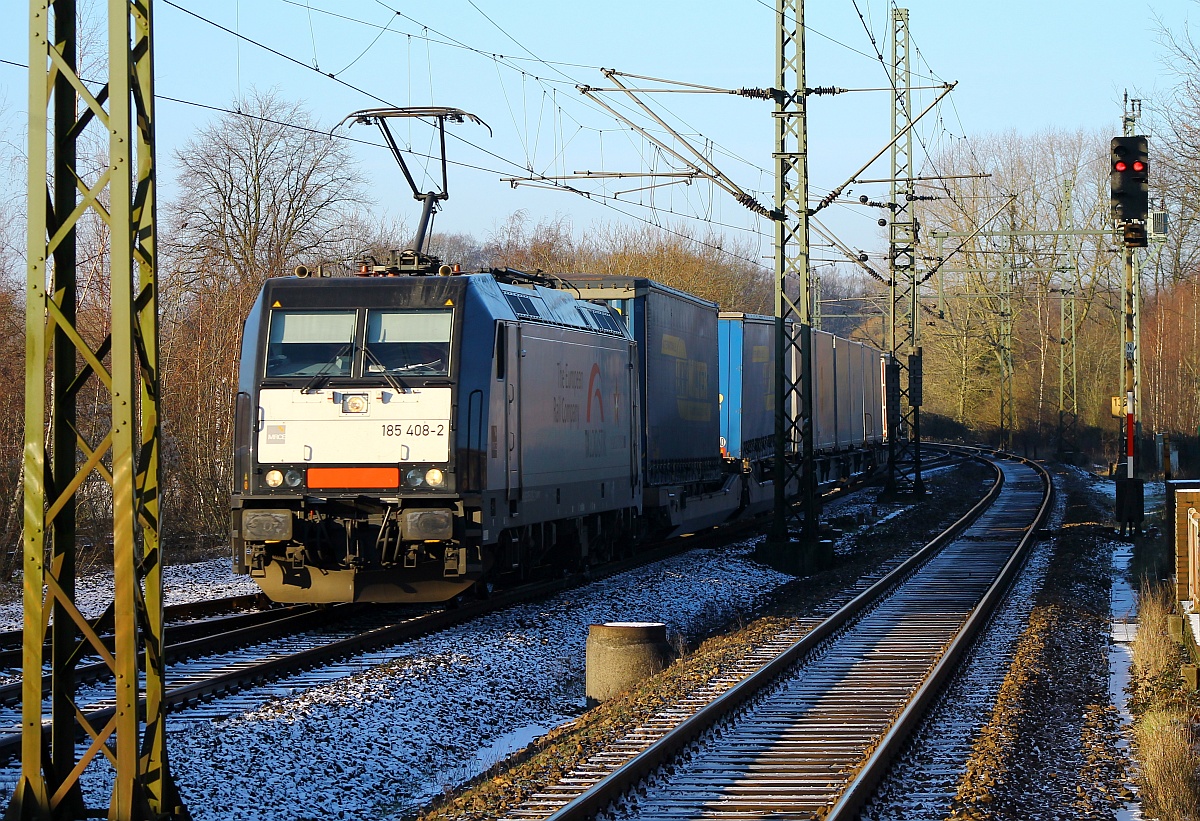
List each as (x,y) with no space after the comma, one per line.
(548,246)
(1171,279)
(459,249)
(12,371)
(1003,278)
(263,190)
(851,303)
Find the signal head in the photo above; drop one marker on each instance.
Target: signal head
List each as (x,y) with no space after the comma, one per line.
(1128,178)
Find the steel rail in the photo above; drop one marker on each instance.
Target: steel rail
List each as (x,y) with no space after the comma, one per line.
(432,622)
(597,794)
(11,640)
(875,768)
(191,640)
(233,680)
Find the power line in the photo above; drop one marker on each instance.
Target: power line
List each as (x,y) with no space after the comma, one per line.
(600,200)
(331,75)
(461,139)
(470,166)
(503,59)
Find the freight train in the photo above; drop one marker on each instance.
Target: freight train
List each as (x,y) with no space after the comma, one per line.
(406,434)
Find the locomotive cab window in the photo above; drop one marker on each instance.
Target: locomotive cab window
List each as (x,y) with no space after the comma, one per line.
(307,343)
(408,342)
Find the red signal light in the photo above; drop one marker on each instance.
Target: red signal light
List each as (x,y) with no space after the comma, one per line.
(1129,164)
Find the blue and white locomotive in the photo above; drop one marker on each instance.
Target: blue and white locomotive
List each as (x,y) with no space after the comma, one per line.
(391,430)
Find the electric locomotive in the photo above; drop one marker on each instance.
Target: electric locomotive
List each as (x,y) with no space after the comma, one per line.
(399,437)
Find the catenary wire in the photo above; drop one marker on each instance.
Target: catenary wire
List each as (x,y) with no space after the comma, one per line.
(252,41)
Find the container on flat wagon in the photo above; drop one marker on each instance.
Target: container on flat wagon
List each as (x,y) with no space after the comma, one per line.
(853,352)
(677,341)
(747,365)
(841,383)
(825,420)
(873,394)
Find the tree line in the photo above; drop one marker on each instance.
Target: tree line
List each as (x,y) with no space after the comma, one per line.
(266,189)
(1027,267)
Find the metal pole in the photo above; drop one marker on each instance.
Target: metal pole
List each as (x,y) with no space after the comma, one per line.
(1130,372)
(904,289)
(1130,358)
(64,453)
(1008,418)
(793,302)
(1136,278)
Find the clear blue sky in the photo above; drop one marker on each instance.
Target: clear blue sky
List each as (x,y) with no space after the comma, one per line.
(1022,65)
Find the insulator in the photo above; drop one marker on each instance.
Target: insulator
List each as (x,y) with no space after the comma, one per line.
(824,90)
(753,204)
(757,93)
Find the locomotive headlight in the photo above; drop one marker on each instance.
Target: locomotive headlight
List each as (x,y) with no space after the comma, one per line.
(274,478)
(414,477)
(434,477)
(293,478)
(354,403)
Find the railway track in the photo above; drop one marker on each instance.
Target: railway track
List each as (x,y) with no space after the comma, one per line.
(196,639)
(809,725)
(185,623)
(235,651)
(228,662)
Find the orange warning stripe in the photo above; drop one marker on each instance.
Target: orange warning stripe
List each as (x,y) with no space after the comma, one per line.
(353,477)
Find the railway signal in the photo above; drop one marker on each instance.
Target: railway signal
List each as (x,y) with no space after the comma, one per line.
(1129,167)
(1129,181)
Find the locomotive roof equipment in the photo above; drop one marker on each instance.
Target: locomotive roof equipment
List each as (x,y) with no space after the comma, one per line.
(414,260)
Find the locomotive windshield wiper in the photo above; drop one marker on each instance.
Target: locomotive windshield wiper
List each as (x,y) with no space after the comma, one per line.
(391,380)
(320,376)
(432,364)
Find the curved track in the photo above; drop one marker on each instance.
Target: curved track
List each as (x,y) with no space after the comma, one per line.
(812,730)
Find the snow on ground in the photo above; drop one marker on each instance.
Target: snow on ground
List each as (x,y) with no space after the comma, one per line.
(427,715)
(1120,652)
(181,584)
(424,716)
(1123,611)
